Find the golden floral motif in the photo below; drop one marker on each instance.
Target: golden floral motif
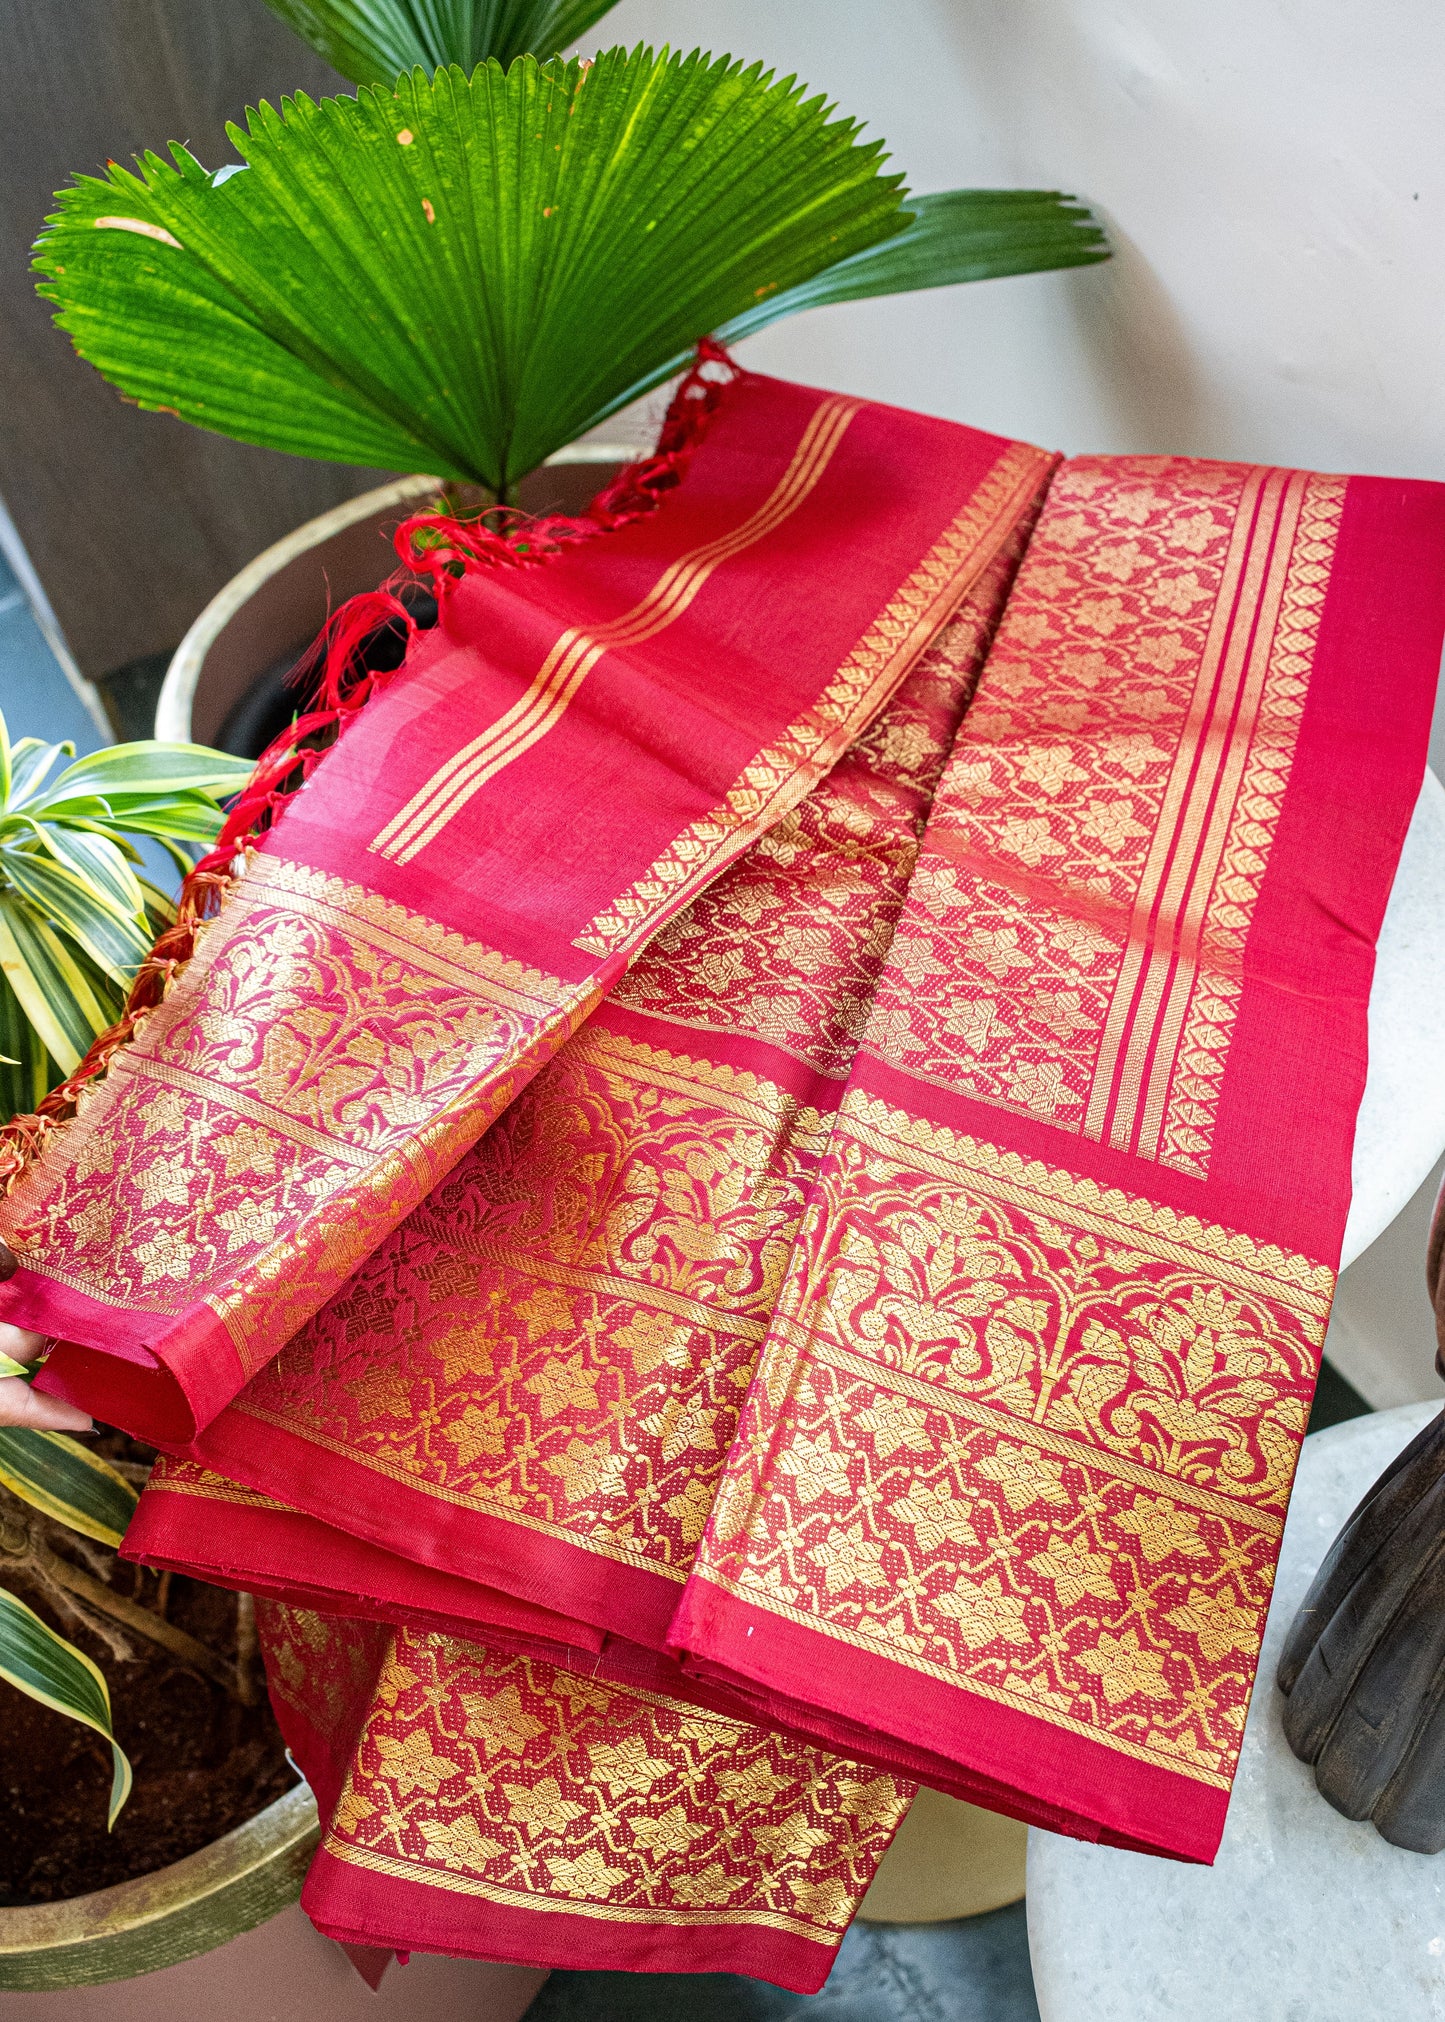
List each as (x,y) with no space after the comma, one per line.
(789,943)
(320,1666)
(1127,1669)
(1219,1621)
(932,1513)
(321,1060)
(595,1387)
(779,776)
(1090,774)
(541,1807)
(589,1291)
(673,1833)
(626,1805)
(1075,1502)
(984,1613)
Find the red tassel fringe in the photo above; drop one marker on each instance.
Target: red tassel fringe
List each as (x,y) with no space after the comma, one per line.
(431,547)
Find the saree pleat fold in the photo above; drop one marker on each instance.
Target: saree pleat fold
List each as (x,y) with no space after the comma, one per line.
(540,1372)
(864,1334)
(584,1298)
(467,875)
(664,1113)
(504,1807)
(1010,1481)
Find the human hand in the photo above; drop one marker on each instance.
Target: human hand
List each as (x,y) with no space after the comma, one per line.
(19,1404)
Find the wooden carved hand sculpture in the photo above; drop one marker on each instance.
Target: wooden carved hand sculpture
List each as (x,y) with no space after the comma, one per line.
(1364,1665)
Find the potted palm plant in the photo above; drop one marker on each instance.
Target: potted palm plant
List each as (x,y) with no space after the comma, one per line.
(478,259)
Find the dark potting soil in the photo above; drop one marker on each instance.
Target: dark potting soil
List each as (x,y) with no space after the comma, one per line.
(203,1763)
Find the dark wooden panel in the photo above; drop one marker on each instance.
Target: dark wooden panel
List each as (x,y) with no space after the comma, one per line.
(132,520)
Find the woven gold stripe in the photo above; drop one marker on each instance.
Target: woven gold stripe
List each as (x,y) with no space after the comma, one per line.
(885,1646)
(574,1906)
(575,653)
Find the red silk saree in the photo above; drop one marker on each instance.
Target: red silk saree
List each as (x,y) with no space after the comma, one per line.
(589,1399)
(539,1373)
(885,1328)
(465,877)
(498,1804)
(1010,1482)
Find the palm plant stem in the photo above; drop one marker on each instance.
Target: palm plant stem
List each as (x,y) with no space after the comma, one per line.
(142,1621)
(92,1603)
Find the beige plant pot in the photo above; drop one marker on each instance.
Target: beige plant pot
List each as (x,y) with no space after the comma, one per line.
(949,1860)
(278,603)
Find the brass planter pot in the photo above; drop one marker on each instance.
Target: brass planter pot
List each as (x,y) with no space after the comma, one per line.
(176,1913)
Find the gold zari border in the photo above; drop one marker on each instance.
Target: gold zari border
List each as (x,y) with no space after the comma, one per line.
(576,1906)
(779,776)
(1027,1183)
(941,1396)
(1017,1702)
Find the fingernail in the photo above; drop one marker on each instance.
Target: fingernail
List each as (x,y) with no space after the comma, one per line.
(9,1262)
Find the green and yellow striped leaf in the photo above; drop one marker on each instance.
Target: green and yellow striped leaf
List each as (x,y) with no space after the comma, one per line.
(160,907)
(59,1476)
(152,769)
(26,1069)
(30,761)
(51,983)
(39,1662)
(188,817)
(98,861)
(115,940)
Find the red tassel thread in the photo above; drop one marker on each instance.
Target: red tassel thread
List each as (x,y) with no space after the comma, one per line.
(434,547)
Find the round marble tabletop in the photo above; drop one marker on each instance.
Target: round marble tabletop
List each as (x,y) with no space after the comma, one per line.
(1305,1916)
(1401,1128)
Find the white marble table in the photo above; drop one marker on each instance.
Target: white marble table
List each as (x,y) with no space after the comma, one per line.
(1401,1129)
(1305,1916)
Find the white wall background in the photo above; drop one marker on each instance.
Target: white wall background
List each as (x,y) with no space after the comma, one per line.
(1272,174)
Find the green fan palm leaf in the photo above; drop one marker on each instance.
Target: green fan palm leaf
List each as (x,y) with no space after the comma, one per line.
(374,41)
(462,274)
(952,236)
(75,919)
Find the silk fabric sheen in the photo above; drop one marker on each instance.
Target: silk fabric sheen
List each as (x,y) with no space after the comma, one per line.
(467,875)
(883,1334)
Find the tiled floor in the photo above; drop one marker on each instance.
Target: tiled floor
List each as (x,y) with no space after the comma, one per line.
(973,1971)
